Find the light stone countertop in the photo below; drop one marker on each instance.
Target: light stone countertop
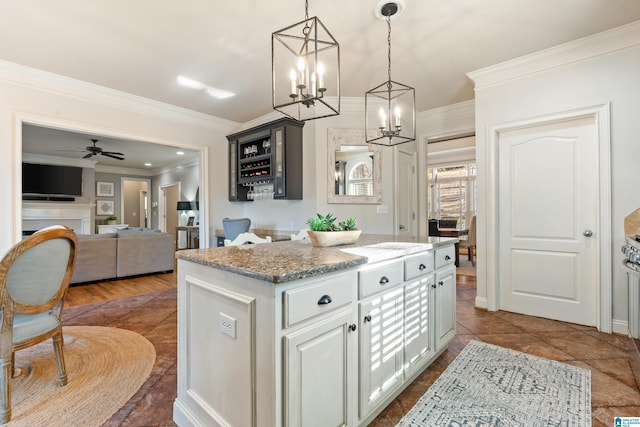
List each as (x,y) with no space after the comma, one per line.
(281,262)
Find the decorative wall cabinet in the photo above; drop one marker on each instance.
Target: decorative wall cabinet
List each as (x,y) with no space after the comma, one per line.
(266,160)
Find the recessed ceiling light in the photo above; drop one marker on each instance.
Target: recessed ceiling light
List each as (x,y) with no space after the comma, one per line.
(185,81)
(147,164)
(180,153)
(219,93)
(212,91)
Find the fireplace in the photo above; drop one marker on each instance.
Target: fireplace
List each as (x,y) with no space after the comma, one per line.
(36,216)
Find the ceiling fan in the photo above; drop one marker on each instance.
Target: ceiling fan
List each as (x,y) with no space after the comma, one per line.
(93,150)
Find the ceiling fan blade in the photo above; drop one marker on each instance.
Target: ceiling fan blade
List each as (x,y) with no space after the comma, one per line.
(112,152)
(87,156)
(113,156)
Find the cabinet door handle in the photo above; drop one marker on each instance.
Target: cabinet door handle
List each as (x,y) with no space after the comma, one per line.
(434,286)
(447,257)
(384,280)
(352,327)
(441,283)
(325,299)
(367,318)
(422,267)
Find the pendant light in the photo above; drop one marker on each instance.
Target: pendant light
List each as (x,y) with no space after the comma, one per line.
(305,70)
(390,112)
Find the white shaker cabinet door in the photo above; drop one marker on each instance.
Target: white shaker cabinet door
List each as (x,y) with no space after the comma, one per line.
(418,327)
(381,347)
(445,305)
(319,373)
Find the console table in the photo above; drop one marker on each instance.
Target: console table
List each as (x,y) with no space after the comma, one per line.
(189,229)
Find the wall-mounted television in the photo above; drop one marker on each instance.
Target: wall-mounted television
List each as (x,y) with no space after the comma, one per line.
(54,180)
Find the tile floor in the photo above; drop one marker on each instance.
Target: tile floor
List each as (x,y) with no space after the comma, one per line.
(613,360)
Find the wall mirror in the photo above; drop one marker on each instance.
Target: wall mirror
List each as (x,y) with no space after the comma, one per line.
(354,168)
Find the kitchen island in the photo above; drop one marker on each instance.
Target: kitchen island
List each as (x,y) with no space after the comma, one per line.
(286,334)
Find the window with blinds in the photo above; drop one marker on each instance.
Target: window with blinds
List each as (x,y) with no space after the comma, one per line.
(452,192)
(361,180)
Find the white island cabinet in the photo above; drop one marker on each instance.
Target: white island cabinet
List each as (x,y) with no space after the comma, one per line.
(332,349)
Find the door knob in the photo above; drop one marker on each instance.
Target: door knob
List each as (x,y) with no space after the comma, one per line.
(402,227)
(587,233)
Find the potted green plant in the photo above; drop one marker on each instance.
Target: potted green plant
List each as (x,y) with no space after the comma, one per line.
(326,232)
(112,219)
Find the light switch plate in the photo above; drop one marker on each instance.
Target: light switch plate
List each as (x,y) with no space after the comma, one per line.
(382,209)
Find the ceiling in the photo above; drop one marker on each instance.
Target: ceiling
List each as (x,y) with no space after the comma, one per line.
(138,49)
(60,143)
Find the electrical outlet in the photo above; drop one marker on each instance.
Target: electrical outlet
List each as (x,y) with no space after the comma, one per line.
(227,325)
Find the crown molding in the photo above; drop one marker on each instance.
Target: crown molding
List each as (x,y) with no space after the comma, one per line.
(453,112)
(31,77)
(602,43)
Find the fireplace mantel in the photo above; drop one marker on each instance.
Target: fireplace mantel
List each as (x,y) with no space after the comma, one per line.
(37,215)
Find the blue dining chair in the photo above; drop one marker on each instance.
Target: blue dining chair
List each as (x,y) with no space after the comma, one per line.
(34,277)
(234,227)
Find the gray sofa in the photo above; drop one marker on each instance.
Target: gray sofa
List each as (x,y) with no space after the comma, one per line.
(122,254)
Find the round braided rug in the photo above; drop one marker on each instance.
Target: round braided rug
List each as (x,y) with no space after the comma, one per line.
(105,368)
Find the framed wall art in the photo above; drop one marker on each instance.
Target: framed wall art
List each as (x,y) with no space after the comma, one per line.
(104,207)
(104,189)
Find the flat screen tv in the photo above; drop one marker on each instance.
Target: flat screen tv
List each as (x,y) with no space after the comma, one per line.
(51,180)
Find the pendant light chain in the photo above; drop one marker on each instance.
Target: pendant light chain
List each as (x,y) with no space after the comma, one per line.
(306,9)
(389,44)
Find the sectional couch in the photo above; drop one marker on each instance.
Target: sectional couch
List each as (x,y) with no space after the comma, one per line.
(128,252)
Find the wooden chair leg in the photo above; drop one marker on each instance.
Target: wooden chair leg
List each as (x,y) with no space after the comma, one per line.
(57,347)
(6,372)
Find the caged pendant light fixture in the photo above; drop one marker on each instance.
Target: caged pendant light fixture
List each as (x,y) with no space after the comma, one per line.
(390,112)
(305,70)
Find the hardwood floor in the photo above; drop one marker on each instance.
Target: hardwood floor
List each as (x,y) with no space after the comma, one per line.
(114,289)
(139,304)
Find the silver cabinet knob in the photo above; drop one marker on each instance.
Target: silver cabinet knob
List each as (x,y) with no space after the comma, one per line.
(587,233)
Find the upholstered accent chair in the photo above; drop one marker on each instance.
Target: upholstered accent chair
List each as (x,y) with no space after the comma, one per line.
(234,226)
(470,243)
(244,238)
(34,277)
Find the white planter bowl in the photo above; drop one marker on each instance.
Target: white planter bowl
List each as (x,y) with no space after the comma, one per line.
(333,238)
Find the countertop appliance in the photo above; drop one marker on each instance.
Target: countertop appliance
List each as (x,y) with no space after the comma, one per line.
(631,250)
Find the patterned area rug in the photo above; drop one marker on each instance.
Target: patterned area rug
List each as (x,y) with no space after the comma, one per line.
(487,385)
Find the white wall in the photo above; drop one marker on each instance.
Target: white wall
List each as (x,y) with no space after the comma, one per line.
(572,78)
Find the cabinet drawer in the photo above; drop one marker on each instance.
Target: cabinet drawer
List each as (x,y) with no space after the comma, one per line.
(445,256)
(379,278)
(418,265)
(318,298)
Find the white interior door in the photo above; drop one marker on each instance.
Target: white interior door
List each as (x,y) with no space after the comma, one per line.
(548,236)
(406,195)
(169,220)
